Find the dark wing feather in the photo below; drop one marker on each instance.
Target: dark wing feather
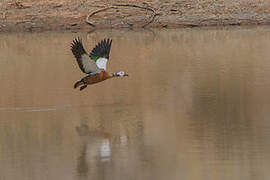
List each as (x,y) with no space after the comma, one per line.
(78,50)
(83,60)
(102,49)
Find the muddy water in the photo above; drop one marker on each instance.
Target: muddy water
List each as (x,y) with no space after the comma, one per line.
(195,107)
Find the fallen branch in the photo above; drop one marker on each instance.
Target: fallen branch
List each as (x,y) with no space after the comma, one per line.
(135,6)
(95,12)
(152,20)
(114,6)
(147,8)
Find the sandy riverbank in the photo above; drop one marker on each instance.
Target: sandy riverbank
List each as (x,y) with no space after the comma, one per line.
(74,15)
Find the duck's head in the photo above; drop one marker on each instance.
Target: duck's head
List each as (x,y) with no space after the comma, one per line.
(120,74)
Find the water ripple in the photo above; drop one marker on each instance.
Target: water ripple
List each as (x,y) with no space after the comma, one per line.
(36,109)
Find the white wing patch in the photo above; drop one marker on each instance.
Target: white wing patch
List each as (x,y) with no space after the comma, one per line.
(101,63)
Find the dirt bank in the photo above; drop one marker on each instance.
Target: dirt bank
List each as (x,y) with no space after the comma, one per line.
(40,15)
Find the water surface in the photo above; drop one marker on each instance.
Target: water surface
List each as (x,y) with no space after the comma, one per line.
(195,107)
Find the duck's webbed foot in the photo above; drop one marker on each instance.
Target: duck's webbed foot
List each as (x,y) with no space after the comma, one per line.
(82,87)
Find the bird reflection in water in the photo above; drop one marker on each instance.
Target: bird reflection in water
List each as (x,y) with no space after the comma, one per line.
(95,151)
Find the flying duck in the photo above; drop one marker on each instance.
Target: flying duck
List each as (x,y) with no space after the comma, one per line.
(94,64)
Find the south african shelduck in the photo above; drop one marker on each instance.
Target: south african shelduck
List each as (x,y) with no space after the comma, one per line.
(94,64)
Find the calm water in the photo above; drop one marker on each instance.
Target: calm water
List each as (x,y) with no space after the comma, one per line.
(195,107)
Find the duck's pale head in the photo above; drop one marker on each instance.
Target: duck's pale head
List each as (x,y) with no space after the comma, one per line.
(120,74)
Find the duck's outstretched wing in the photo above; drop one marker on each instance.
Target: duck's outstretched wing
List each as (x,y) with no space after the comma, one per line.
(101,53)
(87,65)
